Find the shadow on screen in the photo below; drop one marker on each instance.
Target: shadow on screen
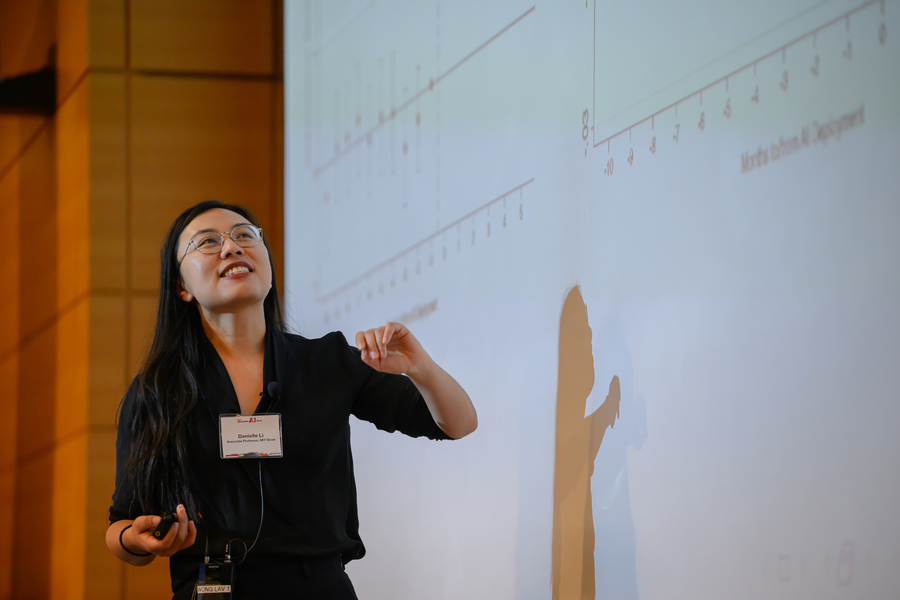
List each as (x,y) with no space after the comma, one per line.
(576,529)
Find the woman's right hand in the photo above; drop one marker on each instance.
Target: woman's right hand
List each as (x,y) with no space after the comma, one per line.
(139,538)
(133,541)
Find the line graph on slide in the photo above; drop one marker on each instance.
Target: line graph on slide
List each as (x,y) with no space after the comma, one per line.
(378,127)
(342,151)
(777,70)
(507,215)
(385,119)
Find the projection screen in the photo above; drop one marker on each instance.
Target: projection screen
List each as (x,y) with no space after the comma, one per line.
(657,242)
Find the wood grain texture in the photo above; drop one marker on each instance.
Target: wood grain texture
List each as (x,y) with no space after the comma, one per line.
(91,35)
(148,583)
(104,573)
(142,318)
(32,530)
(194,139)
(38,233)
(9,301)
(108,181)
(106,27)
(210,36)
(73,45)
(73,198)
(68,508)
(9,388)
(72,363)
(16,131)
(107,360)
(27,33)
(7,515)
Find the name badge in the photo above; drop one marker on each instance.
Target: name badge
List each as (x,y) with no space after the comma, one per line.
(250,436)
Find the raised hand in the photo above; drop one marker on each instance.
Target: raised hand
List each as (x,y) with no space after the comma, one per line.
(391,349)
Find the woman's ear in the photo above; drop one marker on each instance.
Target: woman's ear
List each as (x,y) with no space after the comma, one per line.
(183,293)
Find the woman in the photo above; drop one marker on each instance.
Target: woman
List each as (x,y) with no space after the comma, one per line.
(288,525)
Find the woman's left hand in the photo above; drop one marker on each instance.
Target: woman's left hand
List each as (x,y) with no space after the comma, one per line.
(390,349)
(393,349)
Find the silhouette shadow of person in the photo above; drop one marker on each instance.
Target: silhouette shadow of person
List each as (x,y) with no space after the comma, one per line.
(578,440)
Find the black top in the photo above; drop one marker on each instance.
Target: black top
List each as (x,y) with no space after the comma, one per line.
(310,493)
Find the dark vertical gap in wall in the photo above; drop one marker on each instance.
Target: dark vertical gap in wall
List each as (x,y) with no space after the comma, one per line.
(37,370)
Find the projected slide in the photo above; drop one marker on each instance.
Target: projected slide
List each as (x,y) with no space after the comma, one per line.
(659,245)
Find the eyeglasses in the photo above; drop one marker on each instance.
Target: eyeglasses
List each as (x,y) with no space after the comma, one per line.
(210,242)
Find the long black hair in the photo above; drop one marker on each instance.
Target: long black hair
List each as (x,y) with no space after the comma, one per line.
(166,391)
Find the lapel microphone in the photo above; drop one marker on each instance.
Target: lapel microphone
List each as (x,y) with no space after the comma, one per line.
(274,390)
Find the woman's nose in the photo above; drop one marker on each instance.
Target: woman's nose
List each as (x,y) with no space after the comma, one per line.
(229,247)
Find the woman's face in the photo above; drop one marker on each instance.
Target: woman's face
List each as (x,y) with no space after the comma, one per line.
(211,279)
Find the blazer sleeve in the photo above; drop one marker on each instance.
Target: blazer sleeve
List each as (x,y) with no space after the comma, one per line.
(390,402)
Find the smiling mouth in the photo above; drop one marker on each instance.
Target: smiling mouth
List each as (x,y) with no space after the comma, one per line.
(235,271)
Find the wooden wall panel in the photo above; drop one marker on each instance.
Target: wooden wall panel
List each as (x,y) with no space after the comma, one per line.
(73,51)
(9,388)
(9,380)
(161,104)
(27,32)
(104,573)
(72,360)
(148,583)
(35,430)
(212,36)
(142,319)
(7,515)
(67,557)
(73,200)
(194,139)
(108,360)
(91,36)
(108,180)
(106,29)
(37,232)
(32,539)
(92,186)
(15,132)
(35,362)
(9,301)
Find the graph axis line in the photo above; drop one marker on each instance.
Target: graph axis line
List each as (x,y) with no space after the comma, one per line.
(346,286)
(752,63)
